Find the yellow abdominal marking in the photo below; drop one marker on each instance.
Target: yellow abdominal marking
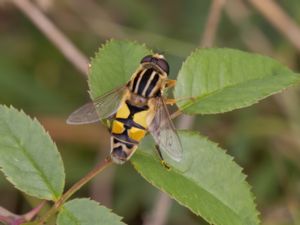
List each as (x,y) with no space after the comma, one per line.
(123,111)
(117,127)
(141,118)
(136,133)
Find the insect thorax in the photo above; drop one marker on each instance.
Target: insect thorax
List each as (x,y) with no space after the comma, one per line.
(146,82)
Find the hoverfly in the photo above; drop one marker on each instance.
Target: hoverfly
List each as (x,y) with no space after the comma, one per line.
(134,109)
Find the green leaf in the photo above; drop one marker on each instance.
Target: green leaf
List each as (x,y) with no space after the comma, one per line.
(207,180)
(113,65)
(220,80)
(28,156)
(86,212)
(212,186)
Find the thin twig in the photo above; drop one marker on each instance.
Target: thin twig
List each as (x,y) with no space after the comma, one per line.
(10,218)
(212,23)
(279,19)
(53,34)
(160,212)
(99,168)
(101,23)
(254,39)
(101,188)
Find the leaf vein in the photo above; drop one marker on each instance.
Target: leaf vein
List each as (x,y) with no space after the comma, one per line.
(31,160)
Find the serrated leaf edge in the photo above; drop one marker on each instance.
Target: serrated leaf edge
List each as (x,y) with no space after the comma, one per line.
(55,196)
(240,169)
(94,202)
(197,99)
(105,45)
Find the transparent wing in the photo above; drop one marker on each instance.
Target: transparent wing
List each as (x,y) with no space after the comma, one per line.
(164,133)
(85,114)
(101,108)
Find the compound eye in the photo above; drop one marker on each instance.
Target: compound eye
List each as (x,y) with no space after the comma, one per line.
(146,59)
(163,64)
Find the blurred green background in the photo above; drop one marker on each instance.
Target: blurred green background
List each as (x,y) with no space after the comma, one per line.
(264,139)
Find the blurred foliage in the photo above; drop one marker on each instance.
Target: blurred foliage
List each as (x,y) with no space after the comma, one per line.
(264,139)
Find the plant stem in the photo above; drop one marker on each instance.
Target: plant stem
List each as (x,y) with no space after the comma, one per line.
(277,17)
(99,168)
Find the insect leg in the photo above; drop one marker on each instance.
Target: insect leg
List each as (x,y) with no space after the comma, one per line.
(170,101)
(162,161)
(170,83)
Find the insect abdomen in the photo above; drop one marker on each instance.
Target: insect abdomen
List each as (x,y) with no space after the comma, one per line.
(128,128)
(121,151)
